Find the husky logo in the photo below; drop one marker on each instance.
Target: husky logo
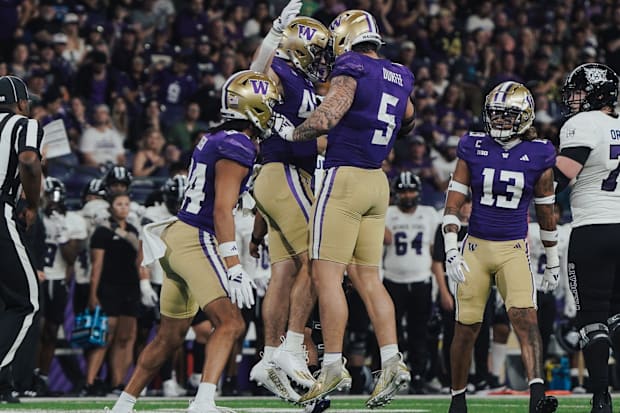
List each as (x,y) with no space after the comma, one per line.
(305,31)
(259,86)
(594,75)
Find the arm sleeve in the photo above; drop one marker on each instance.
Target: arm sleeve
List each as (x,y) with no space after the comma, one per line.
(578,153)
(29,136)
(349,64)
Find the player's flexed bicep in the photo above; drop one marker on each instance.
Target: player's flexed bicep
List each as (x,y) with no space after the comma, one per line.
(544,200)
(458,190)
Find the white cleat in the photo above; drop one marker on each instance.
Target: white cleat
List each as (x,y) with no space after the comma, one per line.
(171,388)
(212,408)
(273,379)
(295,365)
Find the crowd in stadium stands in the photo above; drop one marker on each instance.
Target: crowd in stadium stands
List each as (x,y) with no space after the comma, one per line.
(135,82)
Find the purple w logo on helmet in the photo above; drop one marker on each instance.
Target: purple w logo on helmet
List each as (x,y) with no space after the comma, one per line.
(259,86)
(335,23)
(305,31)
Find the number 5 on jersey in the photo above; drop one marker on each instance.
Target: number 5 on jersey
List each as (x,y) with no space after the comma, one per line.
(380,136)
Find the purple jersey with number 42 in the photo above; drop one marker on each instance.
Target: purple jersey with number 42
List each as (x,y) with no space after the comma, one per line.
(197,206)
(299,102)
(502,183)
(365,135)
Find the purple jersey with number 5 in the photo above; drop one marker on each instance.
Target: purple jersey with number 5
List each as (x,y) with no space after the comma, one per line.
(365,135)
(502,183)
(197,207)
(299,102)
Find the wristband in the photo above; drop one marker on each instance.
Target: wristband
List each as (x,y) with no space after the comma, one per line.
(450,219)
(458,187)
(553,259)
(450,241)
(545,200)
(257,241)
(228,249)
(551,236)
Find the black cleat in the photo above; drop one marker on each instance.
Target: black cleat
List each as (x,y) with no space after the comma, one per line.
(547,404)
(458,404)
(318,406)
(9,396)
(601,403)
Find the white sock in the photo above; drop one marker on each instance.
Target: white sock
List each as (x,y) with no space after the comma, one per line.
(124,404)
(330,358)
(206,394)
(293,341)
(387,352)
(457,392)
(498,358)
(268,353)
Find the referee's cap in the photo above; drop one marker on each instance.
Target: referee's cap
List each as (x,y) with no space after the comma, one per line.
(12,90)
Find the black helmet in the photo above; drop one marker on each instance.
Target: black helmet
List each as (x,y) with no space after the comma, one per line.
(94,187)
(173,192)
(598,81)
(55,194)
(116,175)
(407,181)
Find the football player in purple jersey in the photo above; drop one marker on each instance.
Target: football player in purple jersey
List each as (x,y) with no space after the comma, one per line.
(367,106)
(200,258)
(284,196)
(505,168)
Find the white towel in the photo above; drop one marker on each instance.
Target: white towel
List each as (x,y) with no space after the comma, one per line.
(153,248)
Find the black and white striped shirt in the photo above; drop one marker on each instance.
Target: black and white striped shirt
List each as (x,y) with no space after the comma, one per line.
(17,134)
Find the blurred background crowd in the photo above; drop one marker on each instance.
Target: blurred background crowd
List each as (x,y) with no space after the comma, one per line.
(135,82)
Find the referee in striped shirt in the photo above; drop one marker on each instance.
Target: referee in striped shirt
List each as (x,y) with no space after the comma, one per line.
(20,171)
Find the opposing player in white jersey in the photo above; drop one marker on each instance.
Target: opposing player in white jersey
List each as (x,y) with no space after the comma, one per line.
(94,211)
(409,236)
(65,235)
(589,152)
(546,301)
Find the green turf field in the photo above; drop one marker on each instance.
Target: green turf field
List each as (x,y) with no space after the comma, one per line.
(501,404)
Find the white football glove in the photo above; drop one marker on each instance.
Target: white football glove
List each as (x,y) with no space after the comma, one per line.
(289,12)
(149,296)
(550,279)
(454,262)
(240,287)
(283,127)
(570,307)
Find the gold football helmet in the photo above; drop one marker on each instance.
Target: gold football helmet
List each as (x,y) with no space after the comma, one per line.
(508,111)
(304,43)
(252,96)
(352,27)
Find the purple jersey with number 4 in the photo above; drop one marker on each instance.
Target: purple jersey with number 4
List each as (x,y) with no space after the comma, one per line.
(197,207)
(365,135)
(502,183)
(299,102)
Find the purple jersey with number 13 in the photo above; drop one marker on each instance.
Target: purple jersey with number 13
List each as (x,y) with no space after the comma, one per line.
(365,135)
(502,183)
(197,207)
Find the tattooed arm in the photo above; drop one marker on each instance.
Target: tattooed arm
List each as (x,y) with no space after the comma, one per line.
(545,202)
(328,114)
(456,197)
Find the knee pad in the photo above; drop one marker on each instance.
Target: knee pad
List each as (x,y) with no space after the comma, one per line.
(357,342)
(593,333)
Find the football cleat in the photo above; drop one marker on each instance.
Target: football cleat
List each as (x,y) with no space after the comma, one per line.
(333,377)
(211,408)
(294,364)
(601,403)
(547,404)
(318,406)
(273,379)
(394,377)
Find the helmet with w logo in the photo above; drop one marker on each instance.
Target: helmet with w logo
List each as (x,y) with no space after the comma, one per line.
(352,27)
(251,96)
(304,43)
(508,111)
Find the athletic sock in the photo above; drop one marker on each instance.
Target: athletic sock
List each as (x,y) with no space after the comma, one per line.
(596,355)
(124,404)
(205,395)
(387,352)
(498,358)
(268,353)
(330,358)
(537,392)
(294,341)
